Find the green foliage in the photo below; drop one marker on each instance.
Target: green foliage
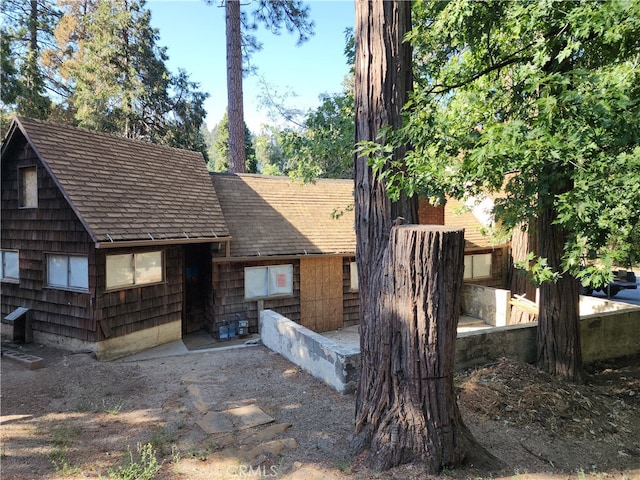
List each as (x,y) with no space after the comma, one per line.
(99,62)
(218,150)
(143,465)
(537,100)
(324,147)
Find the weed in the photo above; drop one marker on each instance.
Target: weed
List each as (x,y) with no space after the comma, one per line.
(111,407)
(143,467)
(62,437)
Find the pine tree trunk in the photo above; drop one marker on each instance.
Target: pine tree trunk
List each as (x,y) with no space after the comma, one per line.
(522,242)
(559,350)
(235,108)
(409,278)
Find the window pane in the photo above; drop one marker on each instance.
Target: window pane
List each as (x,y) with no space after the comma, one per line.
(354,275)
(281,280)
(119,270)
(57,270)
(79,272)
(255,282)
(468,266)
(29,187)
(482,265)
(148,267)
(10,265)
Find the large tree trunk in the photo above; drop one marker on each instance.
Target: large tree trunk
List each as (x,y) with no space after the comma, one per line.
(559,350)
(409,279)
(235,98)
(522,242)
(410,412)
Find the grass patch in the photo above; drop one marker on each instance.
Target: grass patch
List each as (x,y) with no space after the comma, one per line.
(62,437)
(112,407)
(143,465)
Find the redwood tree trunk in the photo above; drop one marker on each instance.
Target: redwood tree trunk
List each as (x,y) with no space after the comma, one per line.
(235,108)
(410,413)
(409,279)
(522,242)
(559,350)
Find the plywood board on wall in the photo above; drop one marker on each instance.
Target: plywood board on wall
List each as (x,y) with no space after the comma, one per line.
(321,293)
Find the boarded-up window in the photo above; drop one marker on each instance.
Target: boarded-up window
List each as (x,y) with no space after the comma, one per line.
(28,188)
(134,269)
(264,282)
(9,268)
(68,272)
(477,266)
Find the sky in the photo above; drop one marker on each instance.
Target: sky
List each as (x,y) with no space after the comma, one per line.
(194,34)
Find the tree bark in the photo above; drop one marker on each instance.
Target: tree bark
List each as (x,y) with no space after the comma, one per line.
(522,242)
(235,98)
(409,280)
(410,413)
(558,342)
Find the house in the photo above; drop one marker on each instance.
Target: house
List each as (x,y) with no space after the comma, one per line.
(114,245)
(105,241)
(293,251)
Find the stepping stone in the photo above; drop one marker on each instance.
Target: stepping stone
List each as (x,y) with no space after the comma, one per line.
(234,419)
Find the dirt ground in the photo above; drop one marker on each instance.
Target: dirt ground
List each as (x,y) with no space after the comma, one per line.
(80,418)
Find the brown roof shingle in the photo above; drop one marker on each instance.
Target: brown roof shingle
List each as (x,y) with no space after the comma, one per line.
(128,190)
(277,216)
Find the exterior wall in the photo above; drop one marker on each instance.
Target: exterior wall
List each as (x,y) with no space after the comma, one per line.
(228,294)
(428,214)
(52,227)
(125,311)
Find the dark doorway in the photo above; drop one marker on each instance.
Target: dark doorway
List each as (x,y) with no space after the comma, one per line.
(198,299)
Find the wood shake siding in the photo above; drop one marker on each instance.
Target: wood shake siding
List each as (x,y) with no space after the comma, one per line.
(52,227)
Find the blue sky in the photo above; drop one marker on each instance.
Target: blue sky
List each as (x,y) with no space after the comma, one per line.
(194,34)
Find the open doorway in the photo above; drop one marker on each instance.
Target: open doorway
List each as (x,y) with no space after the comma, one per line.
(198,298)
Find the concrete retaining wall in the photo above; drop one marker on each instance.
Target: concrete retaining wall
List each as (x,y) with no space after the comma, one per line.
(324,359)
(604,335)
(487,303)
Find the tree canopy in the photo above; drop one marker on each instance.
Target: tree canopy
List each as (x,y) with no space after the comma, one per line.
(98,66)
(517,97)
(537,102)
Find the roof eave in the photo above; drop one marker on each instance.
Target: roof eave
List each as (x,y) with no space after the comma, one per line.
(158,243)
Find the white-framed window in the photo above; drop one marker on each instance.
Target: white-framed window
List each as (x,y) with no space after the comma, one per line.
(68,272)
(9,265)
(354,276)
(133,269)
(477,266)
(265,282)
(28,187)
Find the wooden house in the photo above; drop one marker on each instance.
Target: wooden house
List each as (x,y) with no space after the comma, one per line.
(105,242)
(293,251)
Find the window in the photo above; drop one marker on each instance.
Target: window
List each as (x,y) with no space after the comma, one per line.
(28,187)
(265,282)
(477,266)
(134,269)
(354,276)
(9,266)
(68,272)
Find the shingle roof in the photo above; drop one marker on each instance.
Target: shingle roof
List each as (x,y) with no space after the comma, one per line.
(277,216)
(127,190)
